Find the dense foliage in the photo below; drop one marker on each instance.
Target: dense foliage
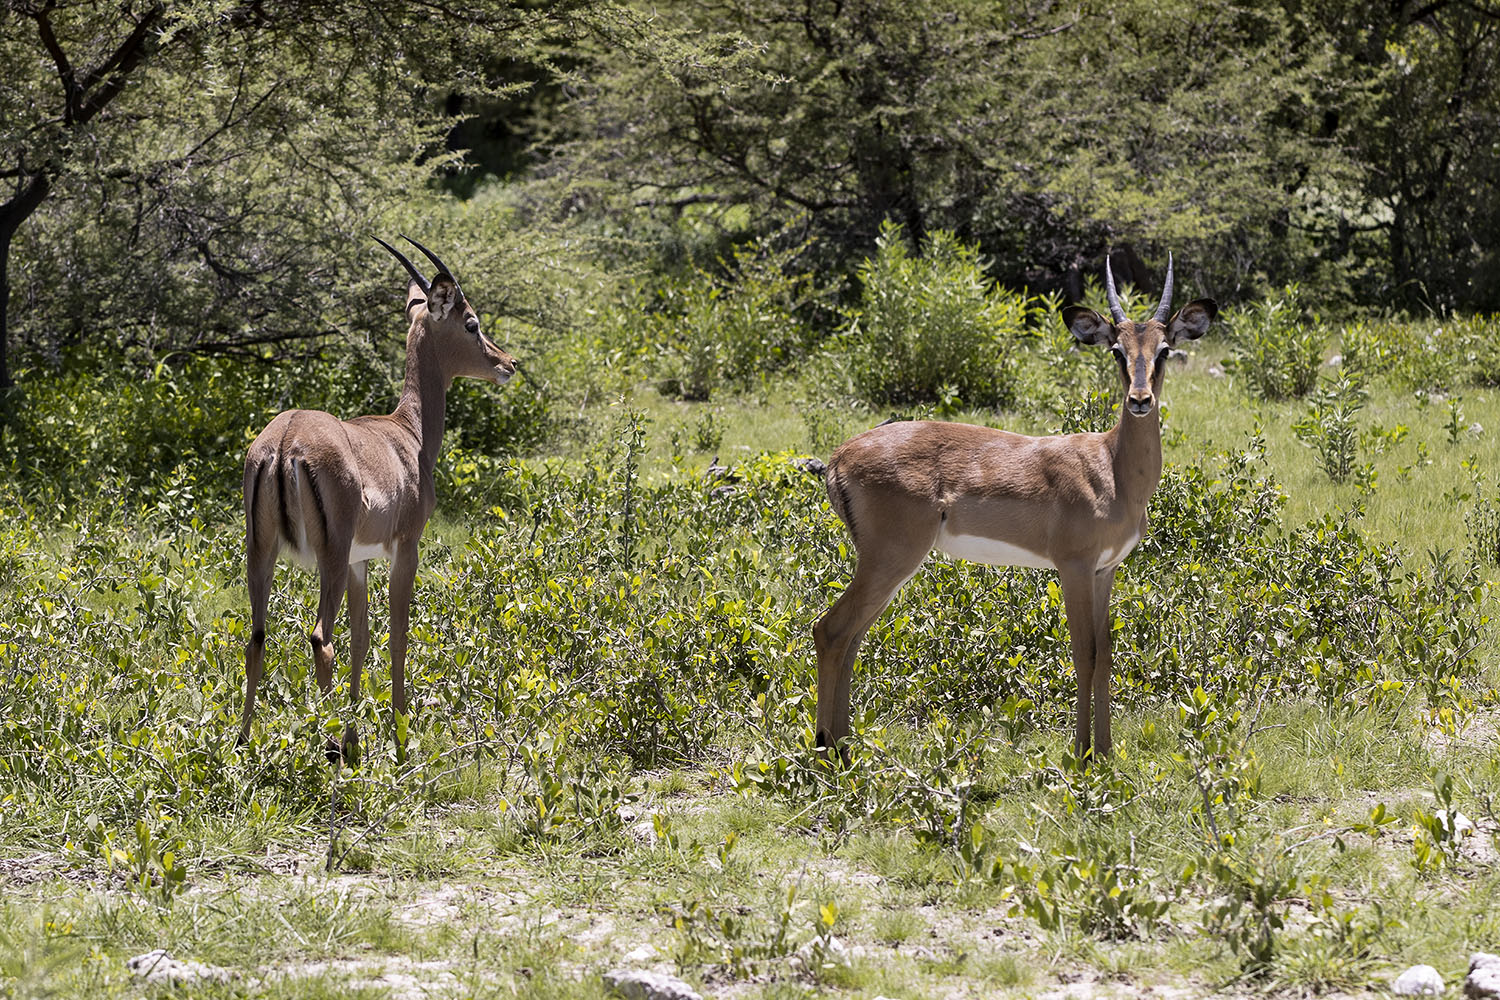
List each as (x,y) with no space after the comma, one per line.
(1334,144)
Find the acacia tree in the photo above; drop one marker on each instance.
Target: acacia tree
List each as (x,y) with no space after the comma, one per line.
(1043,131)
(205,173)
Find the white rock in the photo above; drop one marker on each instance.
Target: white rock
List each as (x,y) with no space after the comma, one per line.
(1418,981)
(817,953)
(1457,824)
(157,966)
(1215,371)
(643,832)
(634,984)
(642,954)
(1483,982)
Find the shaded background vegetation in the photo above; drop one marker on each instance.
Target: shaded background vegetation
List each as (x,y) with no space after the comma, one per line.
(204,176)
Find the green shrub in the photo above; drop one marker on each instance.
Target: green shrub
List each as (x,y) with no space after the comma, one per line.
(1330,425)
(727,327)
(1276,350)
(932,327)
(92,430)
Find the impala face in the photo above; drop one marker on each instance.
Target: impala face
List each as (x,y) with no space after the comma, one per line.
(454,325)
(1142,353)
(1141,349)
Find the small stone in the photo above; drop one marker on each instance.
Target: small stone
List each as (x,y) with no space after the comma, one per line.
(818,953)
(1418,981)
(643,832)
(1483,982)
(641,954)
(634,984)
(1215,371)
(157,966)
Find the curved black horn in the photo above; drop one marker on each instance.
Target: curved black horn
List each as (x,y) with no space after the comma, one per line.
(1109,290)
(431,256)
(411,268)
(1166,294)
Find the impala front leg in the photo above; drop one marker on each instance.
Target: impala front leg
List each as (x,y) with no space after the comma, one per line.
(1078,603)
(1104,581)
(403,582)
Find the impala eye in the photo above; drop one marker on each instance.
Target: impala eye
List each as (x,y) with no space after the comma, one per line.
(472,325)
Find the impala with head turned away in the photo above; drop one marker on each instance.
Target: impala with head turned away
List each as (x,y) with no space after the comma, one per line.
(1075,503)
(333,494)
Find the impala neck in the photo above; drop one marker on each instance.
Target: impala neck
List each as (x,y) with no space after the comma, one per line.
(1136,446)
(424,397)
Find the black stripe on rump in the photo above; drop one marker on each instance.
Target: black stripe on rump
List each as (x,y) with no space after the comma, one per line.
(287,532)
(317,495)
(252,491)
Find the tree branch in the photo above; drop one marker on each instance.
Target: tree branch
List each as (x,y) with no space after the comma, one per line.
(60,61)
(118,67)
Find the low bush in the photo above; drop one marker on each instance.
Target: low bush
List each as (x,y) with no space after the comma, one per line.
(931,327)
(730,326)
(1276,350)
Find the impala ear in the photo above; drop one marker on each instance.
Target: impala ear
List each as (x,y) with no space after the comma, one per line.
(415,296)
(1088,326)
(443,297)
(1192,320)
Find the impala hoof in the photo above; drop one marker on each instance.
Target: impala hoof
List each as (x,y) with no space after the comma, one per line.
(350,746)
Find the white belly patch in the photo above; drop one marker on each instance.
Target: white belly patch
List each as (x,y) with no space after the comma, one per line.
(990,551)
(360,551)
(1111,557)
(301,557)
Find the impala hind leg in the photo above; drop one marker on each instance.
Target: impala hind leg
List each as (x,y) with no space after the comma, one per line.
(884,565)
(260,569)
(332,581)
(359,646)
(403,582)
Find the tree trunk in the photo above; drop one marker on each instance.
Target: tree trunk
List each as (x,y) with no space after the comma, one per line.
(12,214)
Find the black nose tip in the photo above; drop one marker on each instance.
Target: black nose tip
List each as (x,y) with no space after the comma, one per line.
(1140,407)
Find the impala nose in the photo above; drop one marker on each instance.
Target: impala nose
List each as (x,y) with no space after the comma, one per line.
(1139,405)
